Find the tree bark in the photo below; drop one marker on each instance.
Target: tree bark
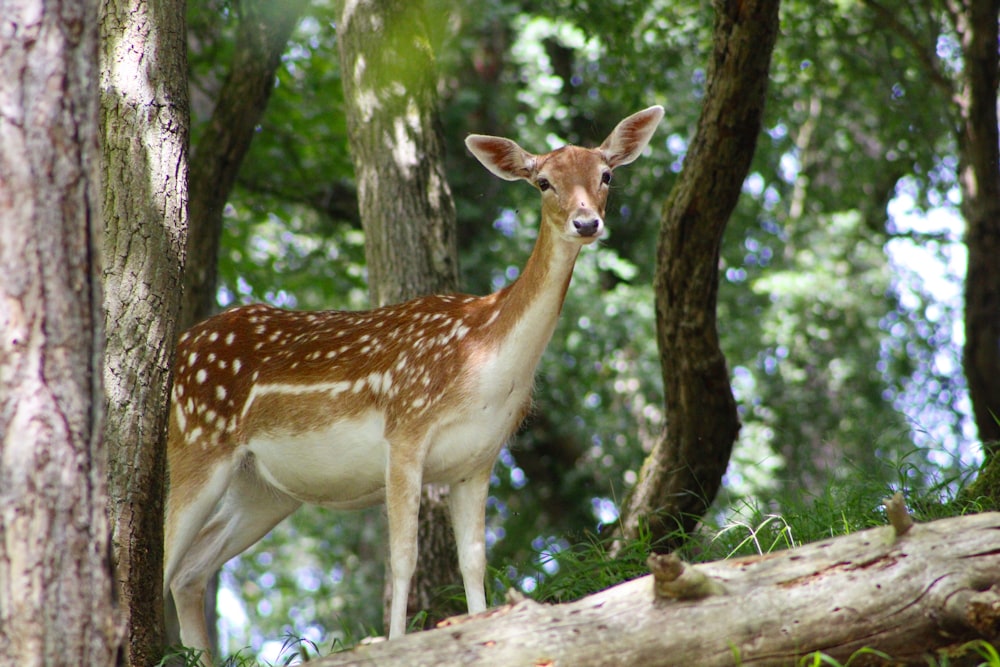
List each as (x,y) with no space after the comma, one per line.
(263,31)
(407,212)
(909,596)
(56,595)
(979,176)
(144,114)
(682,474)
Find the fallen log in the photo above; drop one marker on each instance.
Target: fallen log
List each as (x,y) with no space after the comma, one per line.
(906,590)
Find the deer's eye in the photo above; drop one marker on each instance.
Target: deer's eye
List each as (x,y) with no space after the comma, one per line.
(606,177)
(543,184)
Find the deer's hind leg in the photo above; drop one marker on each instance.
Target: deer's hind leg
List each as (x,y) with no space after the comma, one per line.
(246,511)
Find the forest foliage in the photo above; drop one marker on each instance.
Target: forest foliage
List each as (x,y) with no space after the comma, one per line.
(839,302)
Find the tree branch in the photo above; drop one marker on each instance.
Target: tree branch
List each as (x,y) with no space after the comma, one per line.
(925,56)
(263,32)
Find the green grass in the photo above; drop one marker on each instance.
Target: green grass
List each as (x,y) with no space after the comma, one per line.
(294,649)
(979,648)
(747,528)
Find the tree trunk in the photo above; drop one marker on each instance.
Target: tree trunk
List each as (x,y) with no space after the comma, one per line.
(263,31)
(56,599)
(407,212)
(979,175)
(144,113)
(682,474)
(930,590)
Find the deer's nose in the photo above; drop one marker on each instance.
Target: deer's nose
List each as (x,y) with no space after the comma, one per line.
(587,226)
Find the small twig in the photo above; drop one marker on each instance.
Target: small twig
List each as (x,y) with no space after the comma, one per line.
(899,517)
(674,580)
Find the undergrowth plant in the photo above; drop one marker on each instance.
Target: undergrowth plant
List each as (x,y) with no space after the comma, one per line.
(744,528)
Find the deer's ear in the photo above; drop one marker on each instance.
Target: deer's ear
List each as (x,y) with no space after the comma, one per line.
(502,156)
(629,138)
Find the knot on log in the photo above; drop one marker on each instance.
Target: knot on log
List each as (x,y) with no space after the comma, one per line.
(983,612)
(675,580)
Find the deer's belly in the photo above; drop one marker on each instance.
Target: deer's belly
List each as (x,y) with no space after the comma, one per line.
(341,466)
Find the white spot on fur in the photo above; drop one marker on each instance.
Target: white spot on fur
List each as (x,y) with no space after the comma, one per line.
(380,382)
(181,418)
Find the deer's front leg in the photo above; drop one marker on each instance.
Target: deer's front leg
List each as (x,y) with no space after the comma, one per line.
(468,516)
(402,499)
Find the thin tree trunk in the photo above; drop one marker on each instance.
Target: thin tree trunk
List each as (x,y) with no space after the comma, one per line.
(407,211)
(682,474)
(910,597)
(979,176)
(144,113)
(56,594)
(262,34)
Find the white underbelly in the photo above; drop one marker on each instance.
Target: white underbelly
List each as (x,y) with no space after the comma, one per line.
(341,466)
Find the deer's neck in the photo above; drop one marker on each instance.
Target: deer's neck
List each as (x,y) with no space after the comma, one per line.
(529,307)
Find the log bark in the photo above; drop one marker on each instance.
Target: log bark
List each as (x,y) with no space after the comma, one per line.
(926,591)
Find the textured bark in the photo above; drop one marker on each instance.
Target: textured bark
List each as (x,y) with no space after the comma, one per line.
(56,595)
(144,114)
(407,211)
(911,596)
(263,31)
(979,176)
(682,474)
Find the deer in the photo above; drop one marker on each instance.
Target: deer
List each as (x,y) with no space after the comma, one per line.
(273,408)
